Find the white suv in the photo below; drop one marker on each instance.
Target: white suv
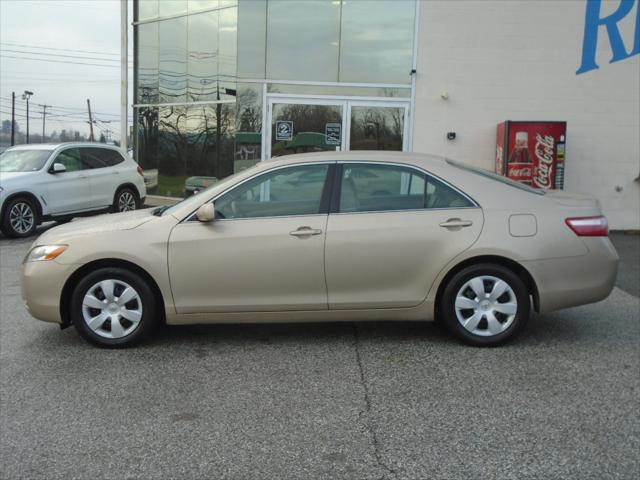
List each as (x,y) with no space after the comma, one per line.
(62,181)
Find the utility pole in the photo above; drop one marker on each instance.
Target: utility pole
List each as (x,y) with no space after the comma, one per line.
(13,118)
(90,121)
(26,96)
(44,115)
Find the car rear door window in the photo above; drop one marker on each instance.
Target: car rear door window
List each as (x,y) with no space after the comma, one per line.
(374,188)
(70,158)
(100,157)
(295,190)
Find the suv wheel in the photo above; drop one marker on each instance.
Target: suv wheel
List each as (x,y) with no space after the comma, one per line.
(485,305)
(125,200)
(19,218)
(113,308)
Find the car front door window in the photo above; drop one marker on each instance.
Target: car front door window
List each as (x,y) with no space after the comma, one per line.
(290,191)
(70,158)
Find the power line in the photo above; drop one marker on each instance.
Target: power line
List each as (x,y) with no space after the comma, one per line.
(61,61)
(80,57)
(58,49)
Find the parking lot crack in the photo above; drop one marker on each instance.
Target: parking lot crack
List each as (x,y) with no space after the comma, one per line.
(366,415)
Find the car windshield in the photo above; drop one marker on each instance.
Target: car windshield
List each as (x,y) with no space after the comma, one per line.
(495,176)
(23,160)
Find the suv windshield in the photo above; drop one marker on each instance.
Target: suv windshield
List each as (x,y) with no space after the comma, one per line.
(23,160)
(495,176)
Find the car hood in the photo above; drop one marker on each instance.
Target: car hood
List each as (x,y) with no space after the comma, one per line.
(8,176)
(98,224)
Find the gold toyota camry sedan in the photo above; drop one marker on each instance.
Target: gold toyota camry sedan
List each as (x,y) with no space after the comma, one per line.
(329,237)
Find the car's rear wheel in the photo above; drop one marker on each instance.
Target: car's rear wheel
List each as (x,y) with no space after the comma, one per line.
(19,218)
(113,307)
(485,305)
(125,200)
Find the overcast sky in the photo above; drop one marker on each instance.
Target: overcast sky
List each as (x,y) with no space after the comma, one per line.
(39,40)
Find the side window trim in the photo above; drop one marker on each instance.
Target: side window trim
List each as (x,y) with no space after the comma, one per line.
(337,188)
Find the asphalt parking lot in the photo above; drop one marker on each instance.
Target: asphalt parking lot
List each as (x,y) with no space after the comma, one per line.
(365,401)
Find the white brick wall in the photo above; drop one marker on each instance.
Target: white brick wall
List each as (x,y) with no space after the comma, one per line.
(516,60)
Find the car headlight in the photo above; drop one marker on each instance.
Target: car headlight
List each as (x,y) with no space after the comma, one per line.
(45,252)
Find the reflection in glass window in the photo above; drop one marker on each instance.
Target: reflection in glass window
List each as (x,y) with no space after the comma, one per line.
(303,38)
(252,26)
(203,56)
(147,9)
(172,7)
(376,128)
(249,126)
(370,188)
(147,46)
(196,5)
(377,41)
(285,192)
(173,60)
(147,139)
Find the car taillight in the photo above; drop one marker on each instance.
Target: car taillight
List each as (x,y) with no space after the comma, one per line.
(589,226)
(140,171)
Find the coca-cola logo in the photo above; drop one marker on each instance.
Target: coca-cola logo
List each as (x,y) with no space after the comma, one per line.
(520,171)
(544,153)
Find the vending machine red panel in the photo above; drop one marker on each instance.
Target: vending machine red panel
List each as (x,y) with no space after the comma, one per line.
(534,153)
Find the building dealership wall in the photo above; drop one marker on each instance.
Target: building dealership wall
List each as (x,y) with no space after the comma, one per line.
(517,60)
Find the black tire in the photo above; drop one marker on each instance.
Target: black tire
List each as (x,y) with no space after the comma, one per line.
(125,196)
(119,276)
(25,207)
(479,318)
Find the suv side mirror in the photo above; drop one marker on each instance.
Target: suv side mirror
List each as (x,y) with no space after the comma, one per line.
(58,168)
(206,213)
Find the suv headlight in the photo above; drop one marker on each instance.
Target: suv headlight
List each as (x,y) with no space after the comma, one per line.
(45,252)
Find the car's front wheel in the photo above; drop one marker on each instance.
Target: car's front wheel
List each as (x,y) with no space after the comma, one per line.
(125,200)
(485,304)
(113,307)
(19,218)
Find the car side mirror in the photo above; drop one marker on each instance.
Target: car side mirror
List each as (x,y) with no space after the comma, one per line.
(58,168)
(206,213)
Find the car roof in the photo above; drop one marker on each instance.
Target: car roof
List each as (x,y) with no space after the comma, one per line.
(381,156)
(54,146)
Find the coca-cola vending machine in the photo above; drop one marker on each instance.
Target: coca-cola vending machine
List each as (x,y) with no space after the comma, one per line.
(532,152)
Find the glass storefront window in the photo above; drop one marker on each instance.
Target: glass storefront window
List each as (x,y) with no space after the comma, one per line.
(198,5)
(146,154)
(147,54)
(376,128)
(228,43)
(173,60)
(307,126)
(252,31)
(248,150)
(303,39)
(172,7)
(377,41)
(146,9)
(339,90)
(203,56)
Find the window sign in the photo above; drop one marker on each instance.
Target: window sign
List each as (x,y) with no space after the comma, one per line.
(333,132)
(284,130)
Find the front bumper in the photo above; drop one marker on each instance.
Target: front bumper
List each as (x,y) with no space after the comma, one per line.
(571,281)
(42,284)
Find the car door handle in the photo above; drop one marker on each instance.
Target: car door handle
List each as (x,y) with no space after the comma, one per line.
(456,223)
(305,232)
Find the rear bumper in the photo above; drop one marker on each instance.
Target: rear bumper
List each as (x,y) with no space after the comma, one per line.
(571,281)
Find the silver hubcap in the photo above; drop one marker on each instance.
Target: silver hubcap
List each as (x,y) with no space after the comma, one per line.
(112,308)
(486,306)
(126,202)
(21,217)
